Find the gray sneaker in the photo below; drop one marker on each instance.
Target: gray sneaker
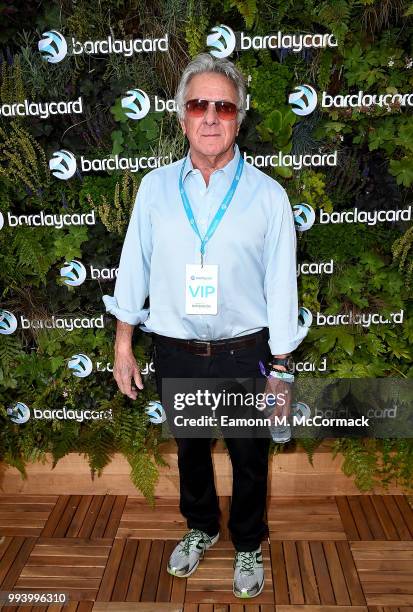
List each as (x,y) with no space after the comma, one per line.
(248,574)
(187,553)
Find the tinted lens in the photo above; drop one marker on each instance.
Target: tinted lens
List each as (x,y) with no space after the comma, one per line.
(196,108)
(226,110)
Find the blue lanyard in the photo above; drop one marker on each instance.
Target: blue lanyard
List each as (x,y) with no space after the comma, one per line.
(220,212)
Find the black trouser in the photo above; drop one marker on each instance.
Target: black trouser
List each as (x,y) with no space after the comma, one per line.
(249,456)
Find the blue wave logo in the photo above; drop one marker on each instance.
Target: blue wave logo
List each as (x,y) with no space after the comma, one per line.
(221,41)
(19,413)
(156,412)
(137,102)
(73,273)
(8,322)
(53,46)
(62,164)
(300,410)
(80,365)
(303,100)
(304,216)
(305,318)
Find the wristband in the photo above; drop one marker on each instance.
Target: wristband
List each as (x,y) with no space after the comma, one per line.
(283,375)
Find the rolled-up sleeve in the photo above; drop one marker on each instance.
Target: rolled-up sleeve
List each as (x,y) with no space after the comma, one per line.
(280,280)
(132,281)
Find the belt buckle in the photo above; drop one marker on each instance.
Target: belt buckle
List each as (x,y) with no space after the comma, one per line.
(208,347)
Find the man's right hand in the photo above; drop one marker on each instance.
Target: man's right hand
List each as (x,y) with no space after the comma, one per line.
(126,370)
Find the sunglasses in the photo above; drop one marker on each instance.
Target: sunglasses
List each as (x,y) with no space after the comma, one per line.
(198,107)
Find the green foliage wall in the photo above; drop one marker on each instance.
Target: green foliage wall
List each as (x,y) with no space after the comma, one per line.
(373,263)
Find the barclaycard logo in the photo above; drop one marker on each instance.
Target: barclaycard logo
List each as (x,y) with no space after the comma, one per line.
(305,317)
(304,216)
(62,164)
(73,273)
(221,41)
(303,100)
(19,413)
(156,412)
(137,104)
(300,410)
(53,46)
(80,364)
(8,322)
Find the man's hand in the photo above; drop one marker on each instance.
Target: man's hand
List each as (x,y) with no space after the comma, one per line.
(125,369)
(281,400)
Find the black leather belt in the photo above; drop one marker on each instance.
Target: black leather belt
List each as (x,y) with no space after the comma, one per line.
(211,347)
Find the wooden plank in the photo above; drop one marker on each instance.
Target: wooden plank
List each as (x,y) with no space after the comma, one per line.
(307,573)
(379,587)
(392,599)
(350,574)
(54,571)
(103,517)
(397,554)
(372,518)
(67,516)
(79,516)
(91,516)
(70,550)
(67,560)
(385,576)
(384,564)
(382,545)
(55,582)
(9,557)
(8,516)
(336,574)
(385,519)
(165,579)
(84,606)
(359,518)
(125,570)
(397,517)
(108,606)
(5,542)
(406,511)
(279,574)
(325,588)
(322,609)
(178,589)
(347,518)
(26,532)
(293,573)
(53,520)
(138,571)
(150,582)
(115,516)
(111,570)
(225,506)
(18,564)
(75,542)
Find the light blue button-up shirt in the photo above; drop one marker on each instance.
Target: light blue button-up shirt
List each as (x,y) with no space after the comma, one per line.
(254,246)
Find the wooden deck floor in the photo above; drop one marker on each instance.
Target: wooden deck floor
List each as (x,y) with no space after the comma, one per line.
(109,553)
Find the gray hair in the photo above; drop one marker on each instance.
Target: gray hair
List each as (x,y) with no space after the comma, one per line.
(204,62)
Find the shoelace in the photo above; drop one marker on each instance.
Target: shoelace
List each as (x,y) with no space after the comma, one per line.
(247,562)
(190,538)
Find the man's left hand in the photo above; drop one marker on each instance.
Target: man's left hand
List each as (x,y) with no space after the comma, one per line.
(280,399)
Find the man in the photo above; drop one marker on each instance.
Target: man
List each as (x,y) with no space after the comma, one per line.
(211,215)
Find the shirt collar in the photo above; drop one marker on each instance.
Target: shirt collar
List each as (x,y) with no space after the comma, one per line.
(229,168)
